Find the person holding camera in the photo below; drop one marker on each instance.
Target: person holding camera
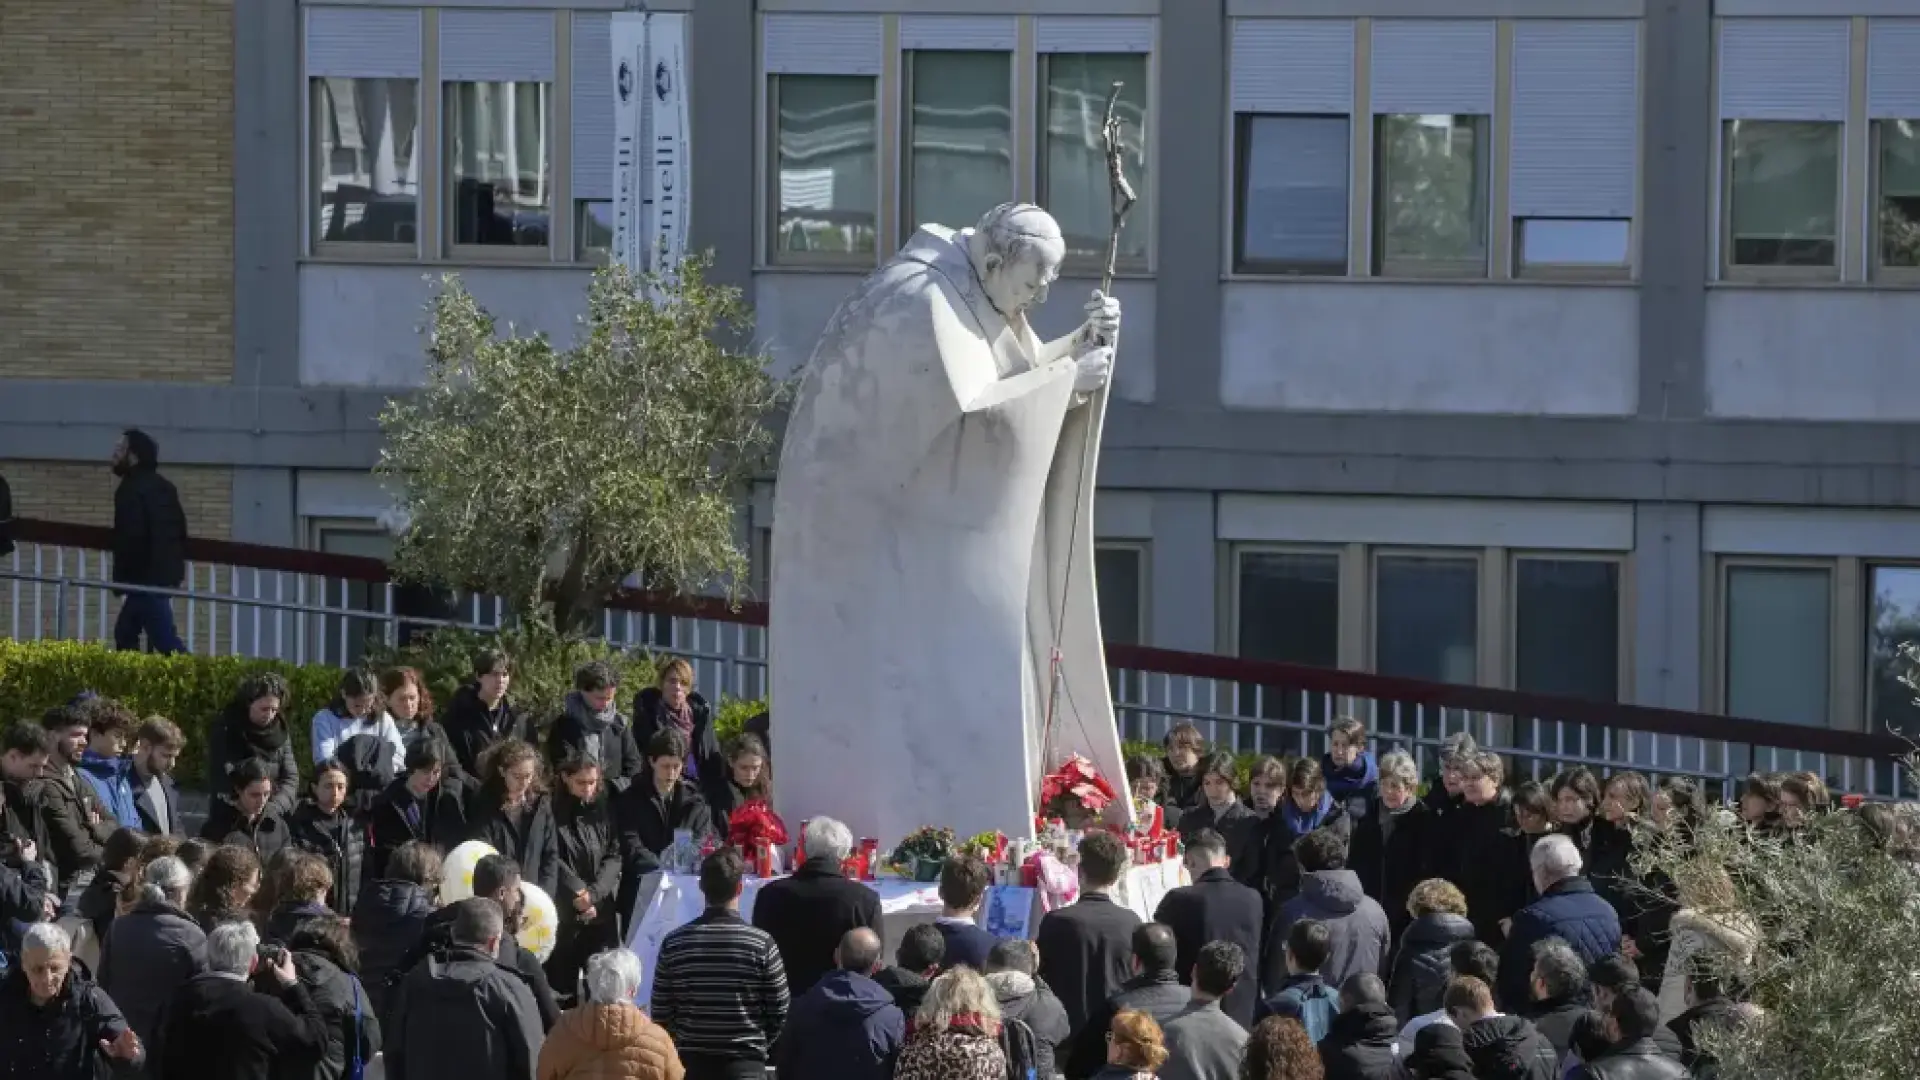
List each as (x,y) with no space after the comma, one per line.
(220,1028)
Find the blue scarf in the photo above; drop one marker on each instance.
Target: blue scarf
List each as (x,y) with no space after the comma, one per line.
(1300,824)
(1356,779)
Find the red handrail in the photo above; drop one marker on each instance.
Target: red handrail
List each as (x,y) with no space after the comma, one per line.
(1293,677)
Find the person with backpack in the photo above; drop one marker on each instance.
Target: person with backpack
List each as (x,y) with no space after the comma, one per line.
(1033,1023)
(1305,996)
(847,1027)
(355,730)
(326,962)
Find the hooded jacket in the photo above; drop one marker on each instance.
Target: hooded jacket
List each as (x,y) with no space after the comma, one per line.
(845,1028)
(1439,1053)
(149,524)
(1028,1000)
(1734,937)
(609,1042)
(1158,994)
(388,922)
(1359,1045)
(350,1020)
(909,988)
(1508,1048)
(605,737)
(465,1015)
(112,780)
(1421,965)
(1354,919)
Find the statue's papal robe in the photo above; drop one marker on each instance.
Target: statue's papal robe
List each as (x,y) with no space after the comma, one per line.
(922,523)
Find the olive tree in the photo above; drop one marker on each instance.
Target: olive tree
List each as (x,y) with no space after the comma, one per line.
(548,475)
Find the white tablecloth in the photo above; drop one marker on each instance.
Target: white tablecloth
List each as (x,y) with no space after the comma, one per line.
(670,901)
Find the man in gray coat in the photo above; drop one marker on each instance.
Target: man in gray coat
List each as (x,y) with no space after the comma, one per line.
(1332,894)
(463,1013)
(1203,1042)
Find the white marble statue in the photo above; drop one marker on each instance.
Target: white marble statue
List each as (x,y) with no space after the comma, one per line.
(923,521)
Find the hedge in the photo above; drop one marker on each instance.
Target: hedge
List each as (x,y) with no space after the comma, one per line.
(191,690)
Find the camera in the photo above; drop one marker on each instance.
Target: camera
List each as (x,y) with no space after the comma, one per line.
(270,955)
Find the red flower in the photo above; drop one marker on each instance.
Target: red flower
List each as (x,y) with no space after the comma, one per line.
(755,822)
(1080,780)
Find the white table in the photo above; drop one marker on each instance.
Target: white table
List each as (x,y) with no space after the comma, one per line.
(669,901)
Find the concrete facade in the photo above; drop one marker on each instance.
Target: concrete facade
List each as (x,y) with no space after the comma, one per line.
(1666,395)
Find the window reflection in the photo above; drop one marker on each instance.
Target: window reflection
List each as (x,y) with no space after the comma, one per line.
(366,160)
(961,136)
(1074,186)
(826,130)
(499,152)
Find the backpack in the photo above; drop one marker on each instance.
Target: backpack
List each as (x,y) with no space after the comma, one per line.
(1314,1006)
(1018,1047)
(369,763)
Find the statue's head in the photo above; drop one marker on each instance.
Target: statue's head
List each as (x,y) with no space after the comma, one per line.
(1016,251)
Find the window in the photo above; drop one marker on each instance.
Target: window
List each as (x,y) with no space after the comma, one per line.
(1897,182)
(1073,158)
(825,132)
(1291,186)
(499,168)
(1427,617)
(959,136)
(1288,606)
(366,161)
(1430,179)
(1566,627)
(1119,574)
(1579,247)
(1895,624)
(592,229)
(1778,637)
(1783,194)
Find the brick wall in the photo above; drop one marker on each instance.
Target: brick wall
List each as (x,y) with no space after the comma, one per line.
(116,247)
(83,493)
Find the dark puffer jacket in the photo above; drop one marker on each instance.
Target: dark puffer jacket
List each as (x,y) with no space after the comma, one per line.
(350,1018)
(529,837)
(339,838)
(1421,967)
(1569,910)
(149,953)
(388,923)
(1508,1048)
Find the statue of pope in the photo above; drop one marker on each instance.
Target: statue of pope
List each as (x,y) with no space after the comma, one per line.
(926,559)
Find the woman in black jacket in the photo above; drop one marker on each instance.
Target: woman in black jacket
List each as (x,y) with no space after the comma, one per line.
(1468,832)
(391,917)
(663,802)
(591,726)
(673,705)
(590,868)
(324,826)
(748,776)
(419,806)
(1625,802)
(1421,963)
(224,889)
(1392,848)
(514,813)
(328,965)
(1576,799)
(251,727)
(410,707)
(248,817)
(482,715)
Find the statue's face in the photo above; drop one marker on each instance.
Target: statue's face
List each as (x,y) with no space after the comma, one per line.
(1014,285)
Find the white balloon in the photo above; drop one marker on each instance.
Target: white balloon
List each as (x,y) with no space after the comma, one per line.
(539,921)
(456,873)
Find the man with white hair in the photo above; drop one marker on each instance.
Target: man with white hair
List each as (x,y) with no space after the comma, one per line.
(808,913)
(219,1028)
(463,1013)
(1568,909)
(55,1024)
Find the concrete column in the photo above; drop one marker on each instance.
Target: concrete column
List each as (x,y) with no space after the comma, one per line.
(1677,134)
(263,508)
(1666,608)
(726,95)
(1190,202)
(1181,579)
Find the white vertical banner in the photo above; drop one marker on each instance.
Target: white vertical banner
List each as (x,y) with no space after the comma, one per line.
(628,32)
(670,174)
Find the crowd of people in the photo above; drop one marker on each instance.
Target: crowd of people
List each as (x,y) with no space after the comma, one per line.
(1339,925)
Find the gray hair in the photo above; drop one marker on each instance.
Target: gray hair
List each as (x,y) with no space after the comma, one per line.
(957,992)
(46,937)
(825,836)
(1555,858)
(1399,767)
(167,880)
(1559,968)
(231,948)
(612,976)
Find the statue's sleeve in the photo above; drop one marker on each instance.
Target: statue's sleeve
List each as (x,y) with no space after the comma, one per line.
(972,376)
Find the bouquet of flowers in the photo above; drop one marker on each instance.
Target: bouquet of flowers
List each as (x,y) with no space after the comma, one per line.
(1075,792)
(920,855)
(759,834)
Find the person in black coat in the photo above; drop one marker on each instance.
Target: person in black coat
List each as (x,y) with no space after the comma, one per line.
(514,813)
(663,802)
(251,727)
(481,714)
(324,957)
(246,818)
(1359,1045)
(1153,989)
(1349,768)
(1221,812)
(1609,857)
(1467,832)
(324,826)
(390,919)
(55,1022)
(1086,948)
(807,913)
(748,775)
(421,806)
(1306,808)
(152,950)
(1392,846)
(1180,783)
(1214,908)
(590,726)
(1422,959)
(673,705)
(149,545)
(219,1027)
(590,872)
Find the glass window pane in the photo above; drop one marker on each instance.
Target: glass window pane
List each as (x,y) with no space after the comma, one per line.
(1573,242)
(366,160)
(1432,207)
(1290,607)
(1073,161)
(1894,622)
(1899,192)
(1567,627)
(592,229)
(498,141)
(1785,192)
(1116,575)
(960,136)
(1778,631)
(826,129)
(1427,618)
(1294,179)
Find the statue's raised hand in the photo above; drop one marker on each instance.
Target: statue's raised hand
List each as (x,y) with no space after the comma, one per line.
(1103,320)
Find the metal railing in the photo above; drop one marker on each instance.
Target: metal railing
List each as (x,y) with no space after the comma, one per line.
(308,607)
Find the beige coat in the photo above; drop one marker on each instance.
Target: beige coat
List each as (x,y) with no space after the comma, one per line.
(609,1042)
